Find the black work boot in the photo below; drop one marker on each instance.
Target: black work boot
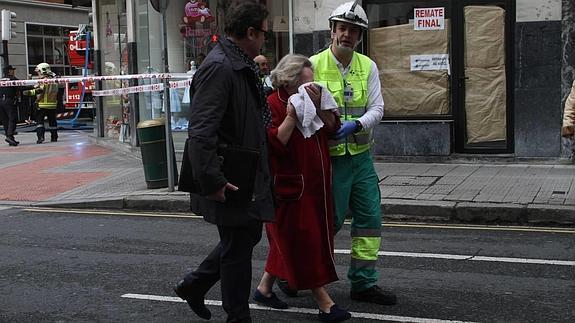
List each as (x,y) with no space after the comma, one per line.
(40,135)
(375,295)
(53,135)
(10,140)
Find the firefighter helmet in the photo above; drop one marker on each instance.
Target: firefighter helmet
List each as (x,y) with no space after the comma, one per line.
(349,12)
(44,69)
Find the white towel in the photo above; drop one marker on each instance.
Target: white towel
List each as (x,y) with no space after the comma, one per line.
(308,120)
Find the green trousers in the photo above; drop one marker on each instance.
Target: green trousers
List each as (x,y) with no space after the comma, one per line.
(356,189)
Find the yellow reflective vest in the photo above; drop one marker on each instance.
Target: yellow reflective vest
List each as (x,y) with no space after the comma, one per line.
(355,88)
(46,95)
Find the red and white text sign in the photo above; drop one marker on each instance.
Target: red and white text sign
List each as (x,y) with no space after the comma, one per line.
(429,18)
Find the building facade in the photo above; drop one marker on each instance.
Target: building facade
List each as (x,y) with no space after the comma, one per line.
(458,76)
(42,29)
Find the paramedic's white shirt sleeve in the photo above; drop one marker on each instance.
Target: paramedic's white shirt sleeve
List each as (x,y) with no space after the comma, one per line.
(374,100)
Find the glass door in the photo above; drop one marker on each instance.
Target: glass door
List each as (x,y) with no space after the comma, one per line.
(482,77)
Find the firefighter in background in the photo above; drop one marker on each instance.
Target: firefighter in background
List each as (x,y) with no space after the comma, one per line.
(47,102)
(353,79)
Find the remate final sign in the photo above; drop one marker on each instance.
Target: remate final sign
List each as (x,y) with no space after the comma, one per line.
(429,18)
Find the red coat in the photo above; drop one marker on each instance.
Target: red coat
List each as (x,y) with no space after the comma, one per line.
(301,239)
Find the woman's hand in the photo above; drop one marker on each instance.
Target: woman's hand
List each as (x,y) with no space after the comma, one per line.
(314,92)
(286,128)
(290,111)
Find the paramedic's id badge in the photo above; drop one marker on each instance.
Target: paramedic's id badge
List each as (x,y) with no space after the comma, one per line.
(348,93)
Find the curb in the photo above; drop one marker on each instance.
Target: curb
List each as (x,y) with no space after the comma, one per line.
(478,213)
(392,209)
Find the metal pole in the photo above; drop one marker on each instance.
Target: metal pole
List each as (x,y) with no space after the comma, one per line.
(168,114)
(5,52)
(290,26)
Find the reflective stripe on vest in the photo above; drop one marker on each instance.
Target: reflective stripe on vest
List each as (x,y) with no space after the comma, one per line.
(328,74)
(48,99)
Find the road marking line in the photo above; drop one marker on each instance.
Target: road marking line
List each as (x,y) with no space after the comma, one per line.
(79,211)
(477,227)
(347,222)
(299,310)
(468,257)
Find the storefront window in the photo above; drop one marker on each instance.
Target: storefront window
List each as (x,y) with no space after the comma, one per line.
(48,44)
(410,42)
(113,40)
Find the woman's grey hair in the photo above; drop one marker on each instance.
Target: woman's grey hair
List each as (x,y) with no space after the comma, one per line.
(288,70)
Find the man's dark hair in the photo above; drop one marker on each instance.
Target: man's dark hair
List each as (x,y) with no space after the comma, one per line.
(243,16)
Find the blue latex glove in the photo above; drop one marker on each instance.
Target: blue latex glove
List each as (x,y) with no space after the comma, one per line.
(346,129)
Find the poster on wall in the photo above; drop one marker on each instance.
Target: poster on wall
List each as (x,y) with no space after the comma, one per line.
(197,22)
(429,18)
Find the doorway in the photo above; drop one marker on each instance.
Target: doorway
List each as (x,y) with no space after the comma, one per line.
(482,80)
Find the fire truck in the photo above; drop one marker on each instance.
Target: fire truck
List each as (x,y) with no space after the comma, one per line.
(78,47)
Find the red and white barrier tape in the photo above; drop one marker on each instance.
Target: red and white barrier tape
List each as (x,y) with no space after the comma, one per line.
(180,84)
(64,80)
(130,90)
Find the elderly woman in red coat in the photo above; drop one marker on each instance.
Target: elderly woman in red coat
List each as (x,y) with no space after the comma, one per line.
(301,239)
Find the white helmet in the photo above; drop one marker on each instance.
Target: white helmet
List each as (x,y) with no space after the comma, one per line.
(349,12)
(44,69)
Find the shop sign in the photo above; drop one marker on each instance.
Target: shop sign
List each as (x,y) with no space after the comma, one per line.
(434,62)
(189,31)
(429,18)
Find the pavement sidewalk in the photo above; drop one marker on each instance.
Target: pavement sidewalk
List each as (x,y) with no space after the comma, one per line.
(81,171)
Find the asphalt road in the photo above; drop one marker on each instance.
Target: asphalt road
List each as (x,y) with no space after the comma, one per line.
(79,266)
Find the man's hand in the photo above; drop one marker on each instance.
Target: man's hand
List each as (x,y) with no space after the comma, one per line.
(220,195)
(346,129)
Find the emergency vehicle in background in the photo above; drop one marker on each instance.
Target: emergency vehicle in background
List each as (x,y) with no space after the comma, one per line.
(77,43)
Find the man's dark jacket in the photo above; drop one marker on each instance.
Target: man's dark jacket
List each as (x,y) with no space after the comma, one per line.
(225,107)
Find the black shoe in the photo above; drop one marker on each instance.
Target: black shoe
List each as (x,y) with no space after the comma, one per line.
(195,302)
(53,139)
(11,141)
(335,314)
(273,301)
(284,287)
(375,295)
(40,140)
(16,141)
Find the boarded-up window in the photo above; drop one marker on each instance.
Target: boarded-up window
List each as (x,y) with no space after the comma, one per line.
(409,92)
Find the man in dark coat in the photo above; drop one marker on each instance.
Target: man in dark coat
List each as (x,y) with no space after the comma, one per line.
(228,108)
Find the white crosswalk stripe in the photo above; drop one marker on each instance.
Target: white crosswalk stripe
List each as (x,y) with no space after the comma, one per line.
(299,310)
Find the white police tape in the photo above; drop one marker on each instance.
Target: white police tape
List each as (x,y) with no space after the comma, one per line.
(130,90)
(143,88)
(64,80)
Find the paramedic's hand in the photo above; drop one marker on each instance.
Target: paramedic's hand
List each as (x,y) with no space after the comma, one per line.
(314,93)
(346,129)
(27,93)
(220,195)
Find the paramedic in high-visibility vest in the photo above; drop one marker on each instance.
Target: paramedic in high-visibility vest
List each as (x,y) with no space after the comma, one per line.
(353,79)
(47,102)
